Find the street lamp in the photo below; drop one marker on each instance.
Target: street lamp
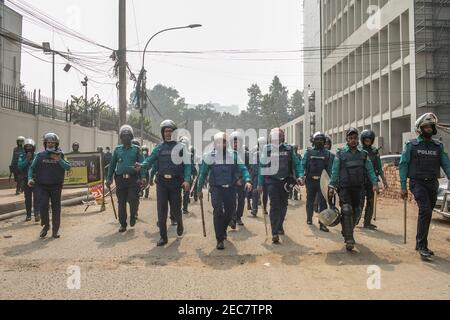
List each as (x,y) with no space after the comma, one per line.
(141,86)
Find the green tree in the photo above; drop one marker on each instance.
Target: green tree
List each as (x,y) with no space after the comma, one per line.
(296,105)
(255,99)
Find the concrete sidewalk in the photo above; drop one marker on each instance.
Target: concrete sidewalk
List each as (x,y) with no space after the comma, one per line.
(9,202)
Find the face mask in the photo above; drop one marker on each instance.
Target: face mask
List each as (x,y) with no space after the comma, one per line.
(126,140)
(53,149)
(427,135)
(320,144)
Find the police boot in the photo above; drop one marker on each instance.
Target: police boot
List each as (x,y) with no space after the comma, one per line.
(220,245)
(239,222)
(249,205)
(254,212)
(281,232)
(349,245)
(233,224)
(173,222)
(276,239)
(55,235)
(133,221)
(122,229)
(185,211)
(44,232)
(28,219)
(180,228)
(162,242)
(370,226)
(425,249)
(37,218)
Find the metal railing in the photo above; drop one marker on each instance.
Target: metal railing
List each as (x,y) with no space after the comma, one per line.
(32,102)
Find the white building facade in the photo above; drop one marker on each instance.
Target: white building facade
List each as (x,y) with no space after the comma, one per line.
(10,51)
(384,63)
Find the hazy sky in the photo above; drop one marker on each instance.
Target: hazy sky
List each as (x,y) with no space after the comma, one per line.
(265,25)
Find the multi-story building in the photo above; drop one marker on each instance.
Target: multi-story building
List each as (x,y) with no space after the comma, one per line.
(384,63)
(10,50)
(299,131)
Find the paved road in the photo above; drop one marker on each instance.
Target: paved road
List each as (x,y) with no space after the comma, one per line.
(307,265)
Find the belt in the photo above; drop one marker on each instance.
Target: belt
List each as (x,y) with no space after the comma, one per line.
(167,176)
(316,178)
(126,176)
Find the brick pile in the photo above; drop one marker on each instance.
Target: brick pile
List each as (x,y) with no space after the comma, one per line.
(392,175)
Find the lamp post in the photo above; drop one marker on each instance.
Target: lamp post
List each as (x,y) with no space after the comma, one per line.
(141,87)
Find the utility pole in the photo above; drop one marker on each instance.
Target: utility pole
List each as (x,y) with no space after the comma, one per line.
(53,85)
(122,61)
(85,85)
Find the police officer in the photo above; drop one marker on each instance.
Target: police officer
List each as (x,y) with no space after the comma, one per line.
(31,193)
(351,167)
(153,173)
(145,154)
(315,160)
(13,168)
(108,156)
(367,140)
(254,169)
(237,141)
(174,173)
(328,142)
(128,179)
(294,194)
(75,147)
(421,161)
(195,165)
(187,194)
(224,169)
(47,171)
(277,176)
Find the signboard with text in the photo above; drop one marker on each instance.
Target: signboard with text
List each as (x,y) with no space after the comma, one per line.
(86,170)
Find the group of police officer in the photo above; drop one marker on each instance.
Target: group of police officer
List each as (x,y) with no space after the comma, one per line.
(234,173)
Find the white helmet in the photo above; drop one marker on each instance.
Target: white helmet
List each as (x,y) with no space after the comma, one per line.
(126,130)
(427,119)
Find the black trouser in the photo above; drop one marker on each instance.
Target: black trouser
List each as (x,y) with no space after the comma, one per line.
(50,193)
(425,193)
(186,199)
(278,204)
(256,196)
(223,201)
(127,191)
(368,197)
(31,199)
(147,189)
(18,178)
(351,198)
(168,191)
(313,191)
(240,202)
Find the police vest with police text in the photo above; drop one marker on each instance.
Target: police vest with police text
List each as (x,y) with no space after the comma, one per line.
(425,160)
